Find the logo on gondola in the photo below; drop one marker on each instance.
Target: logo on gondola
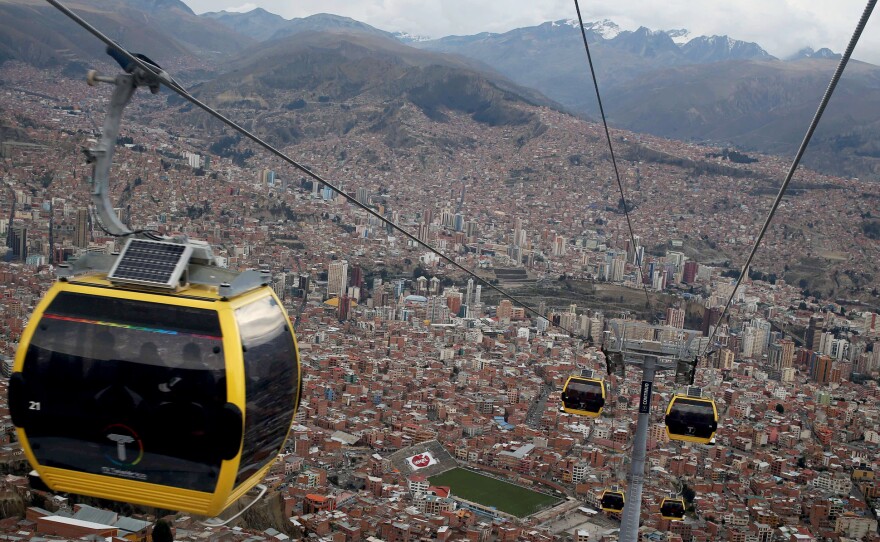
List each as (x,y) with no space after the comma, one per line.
(420,461)
(129,449)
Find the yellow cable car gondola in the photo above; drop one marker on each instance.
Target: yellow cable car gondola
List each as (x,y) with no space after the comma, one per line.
(164,382)
(672,508)
(583,395)
(692,417)
(154,376)
(612,500)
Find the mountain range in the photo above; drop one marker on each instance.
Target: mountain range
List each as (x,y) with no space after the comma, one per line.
(706,88)
(264,26)
(35,32)
(715,89)
(370,82)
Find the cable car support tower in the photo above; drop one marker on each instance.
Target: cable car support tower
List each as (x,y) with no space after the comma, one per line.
(671,349)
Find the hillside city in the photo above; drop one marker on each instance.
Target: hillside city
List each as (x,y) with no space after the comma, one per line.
(405,356)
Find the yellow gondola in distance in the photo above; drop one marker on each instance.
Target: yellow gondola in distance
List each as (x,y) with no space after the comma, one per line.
(166,383)
(612,500)
(672,508)
(583,395)
(692,417)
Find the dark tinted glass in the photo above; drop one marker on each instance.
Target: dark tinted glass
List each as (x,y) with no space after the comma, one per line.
(691,418)
(612,501)
(127,389)
(672,509)
(271,372)
(584,395)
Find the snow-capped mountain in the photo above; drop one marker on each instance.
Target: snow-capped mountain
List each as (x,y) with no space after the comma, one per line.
(646,43)
(605,28)
(680,36)
(705,49)
(406,37)
(547,56)
(808,52)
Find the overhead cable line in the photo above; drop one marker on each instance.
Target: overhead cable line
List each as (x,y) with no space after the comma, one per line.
(632,236)
(176,87)
(854,40)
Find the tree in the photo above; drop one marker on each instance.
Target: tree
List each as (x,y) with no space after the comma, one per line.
(46,179)
(687,493)
(162,532)
(779,408)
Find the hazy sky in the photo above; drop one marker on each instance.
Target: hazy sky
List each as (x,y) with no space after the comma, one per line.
(782,27)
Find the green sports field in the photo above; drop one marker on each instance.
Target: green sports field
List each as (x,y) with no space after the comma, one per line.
(487,491)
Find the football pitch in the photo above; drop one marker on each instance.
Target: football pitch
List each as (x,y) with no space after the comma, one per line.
(504,496)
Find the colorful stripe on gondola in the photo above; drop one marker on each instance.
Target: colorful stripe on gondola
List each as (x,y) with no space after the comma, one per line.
(127,326)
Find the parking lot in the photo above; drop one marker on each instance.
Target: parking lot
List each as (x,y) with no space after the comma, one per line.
(596,524)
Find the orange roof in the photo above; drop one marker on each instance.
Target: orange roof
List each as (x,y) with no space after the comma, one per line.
(440,491)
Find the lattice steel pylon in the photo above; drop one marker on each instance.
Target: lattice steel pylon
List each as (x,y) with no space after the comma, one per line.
(656,348)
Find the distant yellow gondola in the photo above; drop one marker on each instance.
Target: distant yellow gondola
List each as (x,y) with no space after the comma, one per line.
(583,395)
(672,508)
(173,397)
(612,500)
(692,417)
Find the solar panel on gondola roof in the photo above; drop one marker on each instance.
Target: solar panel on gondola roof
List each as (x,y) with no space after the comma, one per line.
(151,263)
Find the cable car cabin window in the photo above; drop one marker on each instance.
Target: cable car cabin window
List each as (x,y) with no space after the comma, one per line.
(612,501)
(692,418)
(270,383)
(127,389)
(581,395)
(672,508)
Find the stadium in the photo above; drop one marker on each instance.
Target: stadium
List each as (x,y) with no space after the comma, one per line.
(480,492)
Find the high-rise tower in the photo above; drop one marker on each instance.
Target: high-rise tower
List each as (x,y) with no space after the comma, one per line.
(82,228)
(18,242)
(337,278)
